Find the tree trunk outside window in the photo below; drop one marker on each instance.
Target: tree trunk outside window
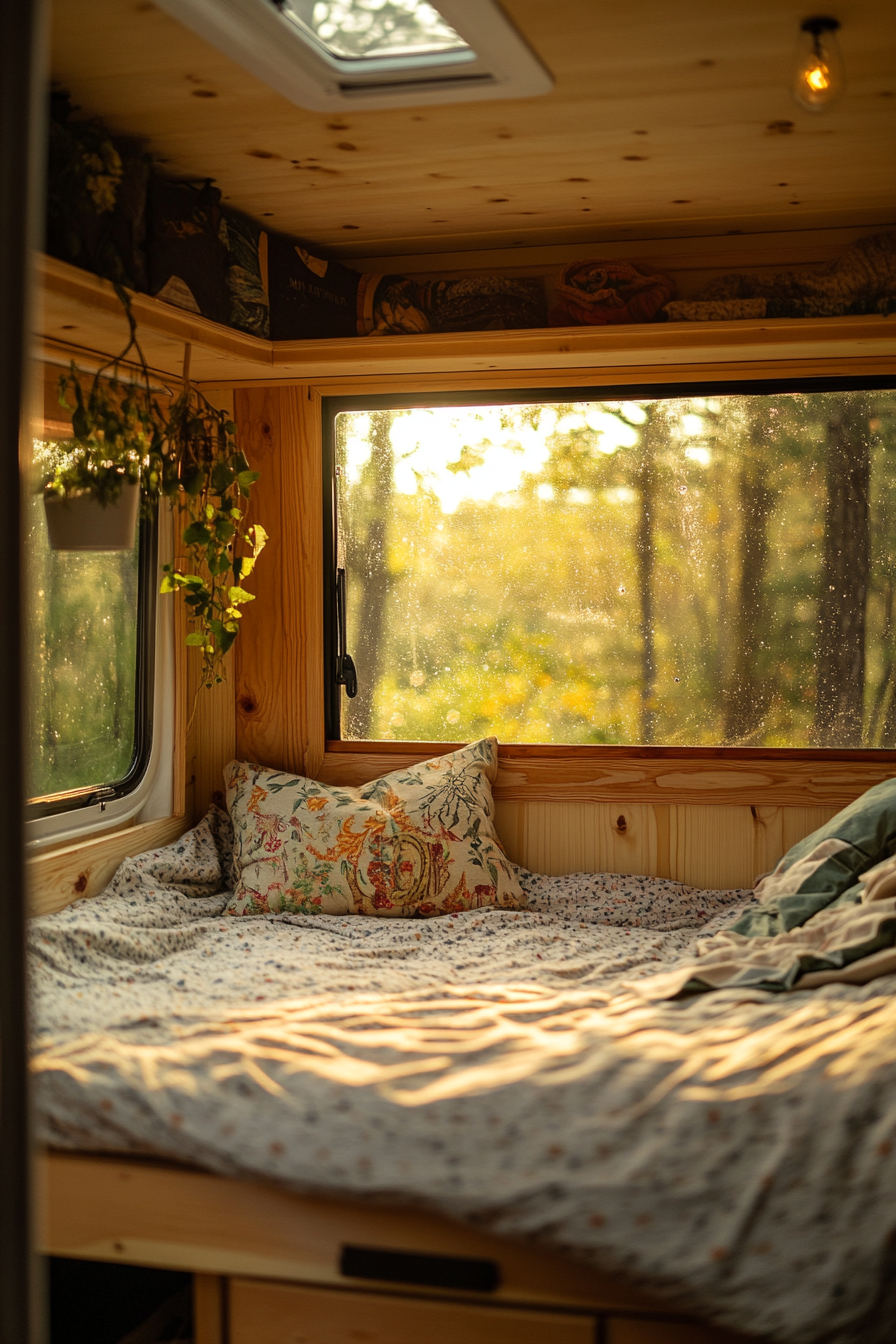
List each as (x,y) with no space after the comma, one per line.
(645,544)
(746,694)
(839,710)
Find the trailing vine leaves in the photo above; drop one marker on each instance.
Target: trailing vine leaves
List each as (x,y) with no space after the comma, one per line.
(208,476)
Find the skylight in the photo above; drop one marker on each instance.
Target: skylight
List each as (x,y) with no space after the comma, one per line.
(365,30)
(371,53)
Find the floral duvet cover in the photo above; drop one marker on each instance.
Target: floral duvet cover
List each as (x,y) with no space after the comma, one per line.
(733,1152)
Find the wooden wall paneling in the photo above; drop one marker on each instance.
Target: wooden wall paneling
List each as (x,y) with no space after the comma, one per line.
(571,836)
(703,845)
(775,829)
(711,847)
(627,838)
(768,835)
(210,735)
(181,694)
(209,1309)
(662,822)
(273,1313)
(797,822)
(719,847)
(510,819)
(279,684)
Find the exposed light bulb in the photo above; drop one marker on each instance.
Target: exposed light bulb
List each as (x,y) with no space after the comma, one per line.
(818,78)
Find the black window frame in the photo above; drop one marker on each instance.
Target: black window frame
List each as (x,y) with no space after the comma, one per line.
(72,800)
(496,396)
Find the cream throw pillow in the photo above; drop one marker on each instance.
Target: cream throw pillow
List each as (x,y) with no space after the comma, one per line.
(419,841)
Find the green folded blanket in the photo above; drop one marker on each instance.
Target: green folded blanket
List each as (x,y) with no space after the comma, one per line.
(827,912)
(825,868)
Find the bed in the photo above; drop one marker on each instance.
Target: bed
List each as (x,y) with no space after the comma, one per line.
(489,1088)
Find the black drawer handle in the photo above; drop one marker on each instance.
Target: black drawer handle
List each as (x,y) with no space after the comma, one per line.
(429,1271)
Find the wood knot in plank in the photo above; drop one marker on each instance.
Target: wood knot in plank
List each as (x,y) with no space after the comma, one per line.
(81,883)
(621,824)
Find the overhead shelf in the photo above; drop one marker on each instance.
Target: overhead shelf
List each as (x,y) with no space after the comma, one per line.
(80,314)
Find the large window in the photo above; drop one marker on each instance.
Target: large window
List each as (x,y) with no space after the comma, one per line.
(89,667)
(626,567)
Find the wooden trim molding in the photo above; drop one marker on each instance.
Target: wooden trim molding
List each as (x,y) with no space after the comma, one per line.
(704,775)
(80,312)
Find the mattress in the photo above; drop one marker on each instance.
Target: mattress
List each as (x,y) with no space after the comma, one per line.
(733,1153)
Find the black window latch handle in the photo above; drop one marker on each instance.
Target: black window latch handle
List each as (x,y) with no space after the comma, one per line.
(346,673)
(347,676)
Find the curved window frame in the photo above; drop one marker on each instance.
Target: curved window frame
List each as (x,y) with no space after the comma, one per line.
(80,813)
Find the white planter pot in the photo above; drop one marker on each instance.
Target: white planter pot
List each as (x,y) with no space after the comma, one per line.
(83,524)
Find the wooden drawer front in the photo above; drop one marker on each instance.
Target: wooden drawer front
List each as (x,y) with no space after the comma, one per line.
(630,1330)
(272,1313)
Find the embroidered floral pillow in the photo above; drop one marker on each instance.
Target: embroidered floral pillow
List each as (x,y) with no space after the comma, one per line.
(419,841)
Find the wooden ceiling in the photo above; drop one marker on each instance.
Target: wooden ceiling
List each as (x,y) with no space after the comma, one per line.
(665,120)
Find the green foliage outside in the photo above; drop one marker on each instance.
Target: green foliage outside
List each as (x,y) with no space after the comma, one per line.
(355,29)
(692,572)
(81,612)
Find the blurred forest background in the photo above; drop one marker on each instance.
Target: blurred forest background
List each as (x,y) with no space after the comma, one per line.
(81,670)
(692,571)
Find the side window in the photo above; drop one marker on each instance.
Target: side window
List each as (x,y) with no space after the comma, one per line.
(89,666)
(632,567)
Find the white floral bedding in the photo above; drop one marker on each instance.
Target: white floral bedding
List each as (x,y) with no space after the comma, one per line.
(733,1152)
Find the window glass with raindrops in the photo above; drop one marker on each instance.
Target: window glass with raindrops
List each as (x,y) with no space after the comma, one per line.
(682,571)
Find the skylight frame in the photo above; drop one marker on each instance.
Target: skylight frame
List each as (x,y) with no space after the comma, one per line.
(289,59)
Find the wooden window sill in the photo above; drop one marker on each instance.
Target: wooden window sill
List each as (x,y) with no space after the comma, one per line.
(746,776)
(81,869)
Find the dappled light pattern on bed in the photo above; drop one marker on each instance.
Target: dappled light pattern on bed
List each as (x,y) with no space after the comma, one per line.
(733,1152)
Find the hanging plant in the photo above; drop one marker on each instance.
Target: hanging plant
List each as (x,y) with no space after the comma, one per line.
(116,428)
(113,436)
(207,475)
(187,455)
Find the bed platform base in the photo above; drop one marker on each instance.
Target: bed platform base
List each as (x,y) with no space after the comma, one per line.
(272,1267)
